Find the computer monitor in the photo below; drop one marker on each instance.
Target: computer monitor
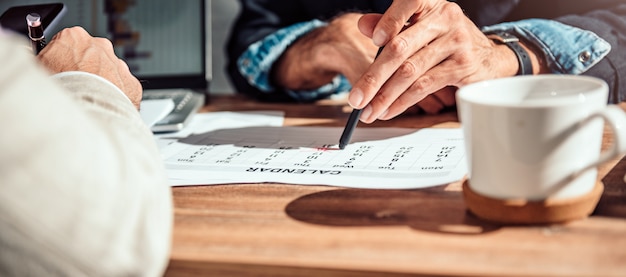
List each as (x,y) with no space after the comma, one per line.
(164,42)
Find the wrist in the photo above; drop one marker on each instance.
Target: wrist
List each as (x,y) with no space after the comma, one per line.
(512,42)
(530,59)
(537,57)
(506,60)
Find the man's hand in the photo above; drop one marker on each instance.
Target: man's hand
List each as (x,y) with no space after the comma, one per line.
(438,101)
(316,58)
(429,45)
(73,49)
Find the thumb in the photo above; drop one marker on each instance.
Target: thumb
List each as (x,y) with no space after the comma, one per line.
(367,22)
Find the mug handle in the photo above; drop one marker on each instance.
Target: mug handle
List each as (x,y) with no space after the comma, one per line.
(616,118)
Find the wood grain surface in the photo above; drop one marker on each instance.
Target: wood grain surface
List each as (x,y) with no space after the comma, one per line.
(294,230)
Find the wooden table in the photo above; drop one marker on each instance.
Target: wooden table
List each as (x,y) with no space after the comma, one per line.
(295,230)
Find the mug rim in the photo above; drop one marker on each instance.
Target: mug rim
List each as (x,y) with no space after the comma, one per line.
(464,94)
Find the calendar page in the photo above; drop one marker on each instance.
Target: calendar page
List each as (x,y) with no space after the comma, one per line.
(390,158)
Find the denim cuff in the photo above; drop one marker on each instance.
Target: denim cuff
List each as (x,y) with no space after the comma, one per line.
(256,62)
(568,50)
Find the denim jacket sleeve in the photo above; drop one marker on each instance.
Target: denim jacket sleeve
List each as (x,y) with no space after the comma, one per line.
(568,50)
(256,62)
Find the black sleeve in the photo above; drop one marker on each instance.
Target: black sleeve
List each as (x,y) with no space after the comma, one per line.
(609,24)
(257,19)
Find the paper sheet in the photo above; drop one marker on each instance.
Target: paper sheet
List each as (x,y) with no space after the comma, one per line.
(153,110)
(207,122)
(392,158)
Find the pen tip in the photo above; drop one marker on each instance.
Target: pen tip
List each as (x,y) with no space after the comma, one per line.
(342,146)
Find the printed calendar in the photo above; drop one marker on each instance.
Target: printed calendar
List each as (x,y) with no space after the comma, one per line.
(376,157)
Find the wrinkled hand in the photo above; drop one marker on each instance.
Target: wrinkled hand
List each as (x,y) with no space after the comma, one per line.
(438,101)
(73,49)
(316,58)
(440,47)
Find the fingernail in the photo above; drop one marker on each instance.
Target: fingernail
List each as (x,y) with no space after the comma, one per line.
(382,115)
(355,98)
(365,114)
(379,38)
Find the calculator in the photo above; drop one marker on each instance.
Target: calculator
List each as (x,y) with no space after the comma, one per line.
(186,104)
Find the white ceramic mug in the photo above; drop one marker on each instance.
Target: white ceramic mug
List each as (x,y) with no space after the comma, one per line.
(534,137)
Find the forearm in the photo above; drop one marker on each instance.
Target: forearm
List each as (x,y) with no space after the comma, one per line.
(255,65)
(84,191)
(125,167)
(300,66)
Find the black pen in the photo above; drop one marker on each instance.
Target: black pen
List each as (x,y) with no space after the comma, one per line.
(353,120)
(35,32)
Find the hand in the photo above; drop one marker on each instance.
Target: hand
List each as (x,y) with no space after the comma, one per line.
(434,103)
(73,49)
(438,101)
(440,47)
(316,58)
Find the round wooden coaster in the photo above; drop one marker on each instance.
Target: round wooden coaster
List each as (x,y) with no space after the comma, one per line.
(521,211)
